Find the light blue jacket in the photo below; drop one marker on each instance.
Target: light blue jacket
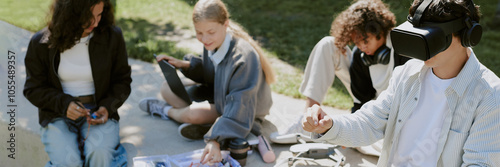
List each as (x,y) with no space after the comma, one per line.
(471,130)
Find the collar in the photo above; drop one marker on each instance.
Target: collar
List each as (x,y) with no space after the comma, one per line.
(468,74)
(219,55)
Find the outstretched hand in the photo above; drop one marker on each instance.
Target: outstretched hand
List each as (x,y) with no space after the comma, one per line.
(316,120)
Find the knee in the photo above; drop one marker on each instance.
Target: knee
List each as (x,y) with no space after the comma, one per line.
(99,157)
(70,160)
(78,163)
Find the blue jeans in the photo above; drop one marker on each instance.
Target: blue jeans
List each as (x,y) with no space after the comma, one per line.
(100,148)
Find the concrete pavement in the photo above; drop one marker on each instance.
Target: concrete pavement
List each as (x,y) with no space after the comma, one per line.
(141,134)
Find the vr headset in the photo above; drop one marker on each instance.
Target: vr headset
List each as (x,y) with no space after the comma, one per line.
(423,40)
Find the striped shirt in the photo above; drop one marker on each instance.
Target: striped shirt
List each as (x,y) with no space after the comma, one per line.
(471,130)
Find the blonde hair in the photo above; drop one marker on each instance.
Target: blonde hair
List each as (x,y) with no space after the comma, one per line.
(215,10)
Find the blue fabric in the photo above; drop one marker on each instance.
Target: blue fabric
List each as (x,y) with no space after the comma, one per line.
(102,147)
(120,157)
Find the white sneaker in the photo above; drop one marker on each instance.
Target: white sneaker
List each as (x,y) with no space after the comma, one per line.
(292,134)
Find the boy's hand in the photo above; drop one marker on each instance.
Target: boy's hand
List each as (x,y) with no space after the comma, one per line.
(316,120)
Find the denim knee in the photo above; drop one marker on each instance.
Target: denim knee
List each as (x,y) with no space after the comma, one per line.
(99,157)
(64,163)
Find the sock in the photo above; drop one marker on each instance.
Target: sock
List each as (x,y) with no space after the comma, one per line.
(165,110)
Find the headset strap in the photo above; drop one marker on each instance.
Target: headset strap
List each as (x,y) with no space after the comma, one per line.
(420,11)
(472,8)
(448,27)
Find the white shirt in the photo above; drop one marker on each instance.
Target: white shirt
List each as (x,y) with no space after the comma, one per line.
(420,134)
(74,70)
(219,55)
(469,135)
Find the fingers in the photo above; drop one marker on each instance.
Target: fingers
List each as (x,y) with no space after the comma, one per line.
(316,120)
(76,110)
(81,109)
(216,158)
(161,57)
(211,153)
(102,116)
(205,152)
(307,121)
(207,157)
(326,122)
(212,157)
(315,114)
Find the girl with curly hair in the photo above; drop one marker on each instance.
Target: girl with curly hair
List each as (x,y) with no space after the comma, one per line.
(77,74)
(365,70)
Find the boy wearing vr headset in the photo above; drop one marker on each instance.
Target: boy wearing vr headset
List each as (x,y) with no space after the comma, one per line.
(441,110)
(365,71)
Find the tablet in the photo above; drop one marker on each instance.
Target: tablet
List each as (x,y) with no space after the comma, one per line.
(173,80)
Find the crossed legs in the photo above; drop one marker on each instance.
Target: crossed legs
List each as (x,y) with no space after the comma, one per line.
(196,113)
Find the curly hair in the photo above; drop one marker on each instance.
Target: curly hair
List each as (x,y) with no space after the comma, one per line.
(362,17)
(69,17)
(447,10)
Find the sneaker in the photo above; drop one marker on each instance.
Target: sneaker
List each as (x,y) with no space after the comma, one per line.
(193,131)
(292,134)
(154,107)
(292,138)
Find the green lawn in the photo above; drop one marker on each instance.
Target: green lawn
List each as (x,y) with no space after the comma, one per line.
(28,14)
(288,30)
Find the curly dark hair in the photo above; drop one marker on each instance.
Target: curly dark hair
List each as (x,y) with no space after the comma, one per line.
(69,17)
(362,17)
(447,10)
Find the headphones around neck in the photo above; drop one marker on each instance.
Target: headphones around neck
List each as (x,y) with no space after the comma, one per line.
(381,56)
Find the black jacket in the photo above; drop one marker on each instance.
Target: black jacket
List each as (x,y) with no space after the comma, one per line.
(110,70)
(361,80)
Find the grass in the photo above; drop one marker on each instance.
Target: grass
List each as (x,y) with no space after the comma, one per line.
(141,39)
(287,30)
(145,22)
(30,15)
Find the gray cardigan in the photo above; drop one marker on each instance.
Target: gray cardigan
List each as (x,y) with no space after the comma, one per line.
(241,93)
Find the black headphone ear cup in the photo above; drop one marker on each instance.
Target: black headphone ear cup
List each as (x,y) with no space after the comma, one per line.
(465,38)
(384,55)
(367,59)
(381,56)
(472,35)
